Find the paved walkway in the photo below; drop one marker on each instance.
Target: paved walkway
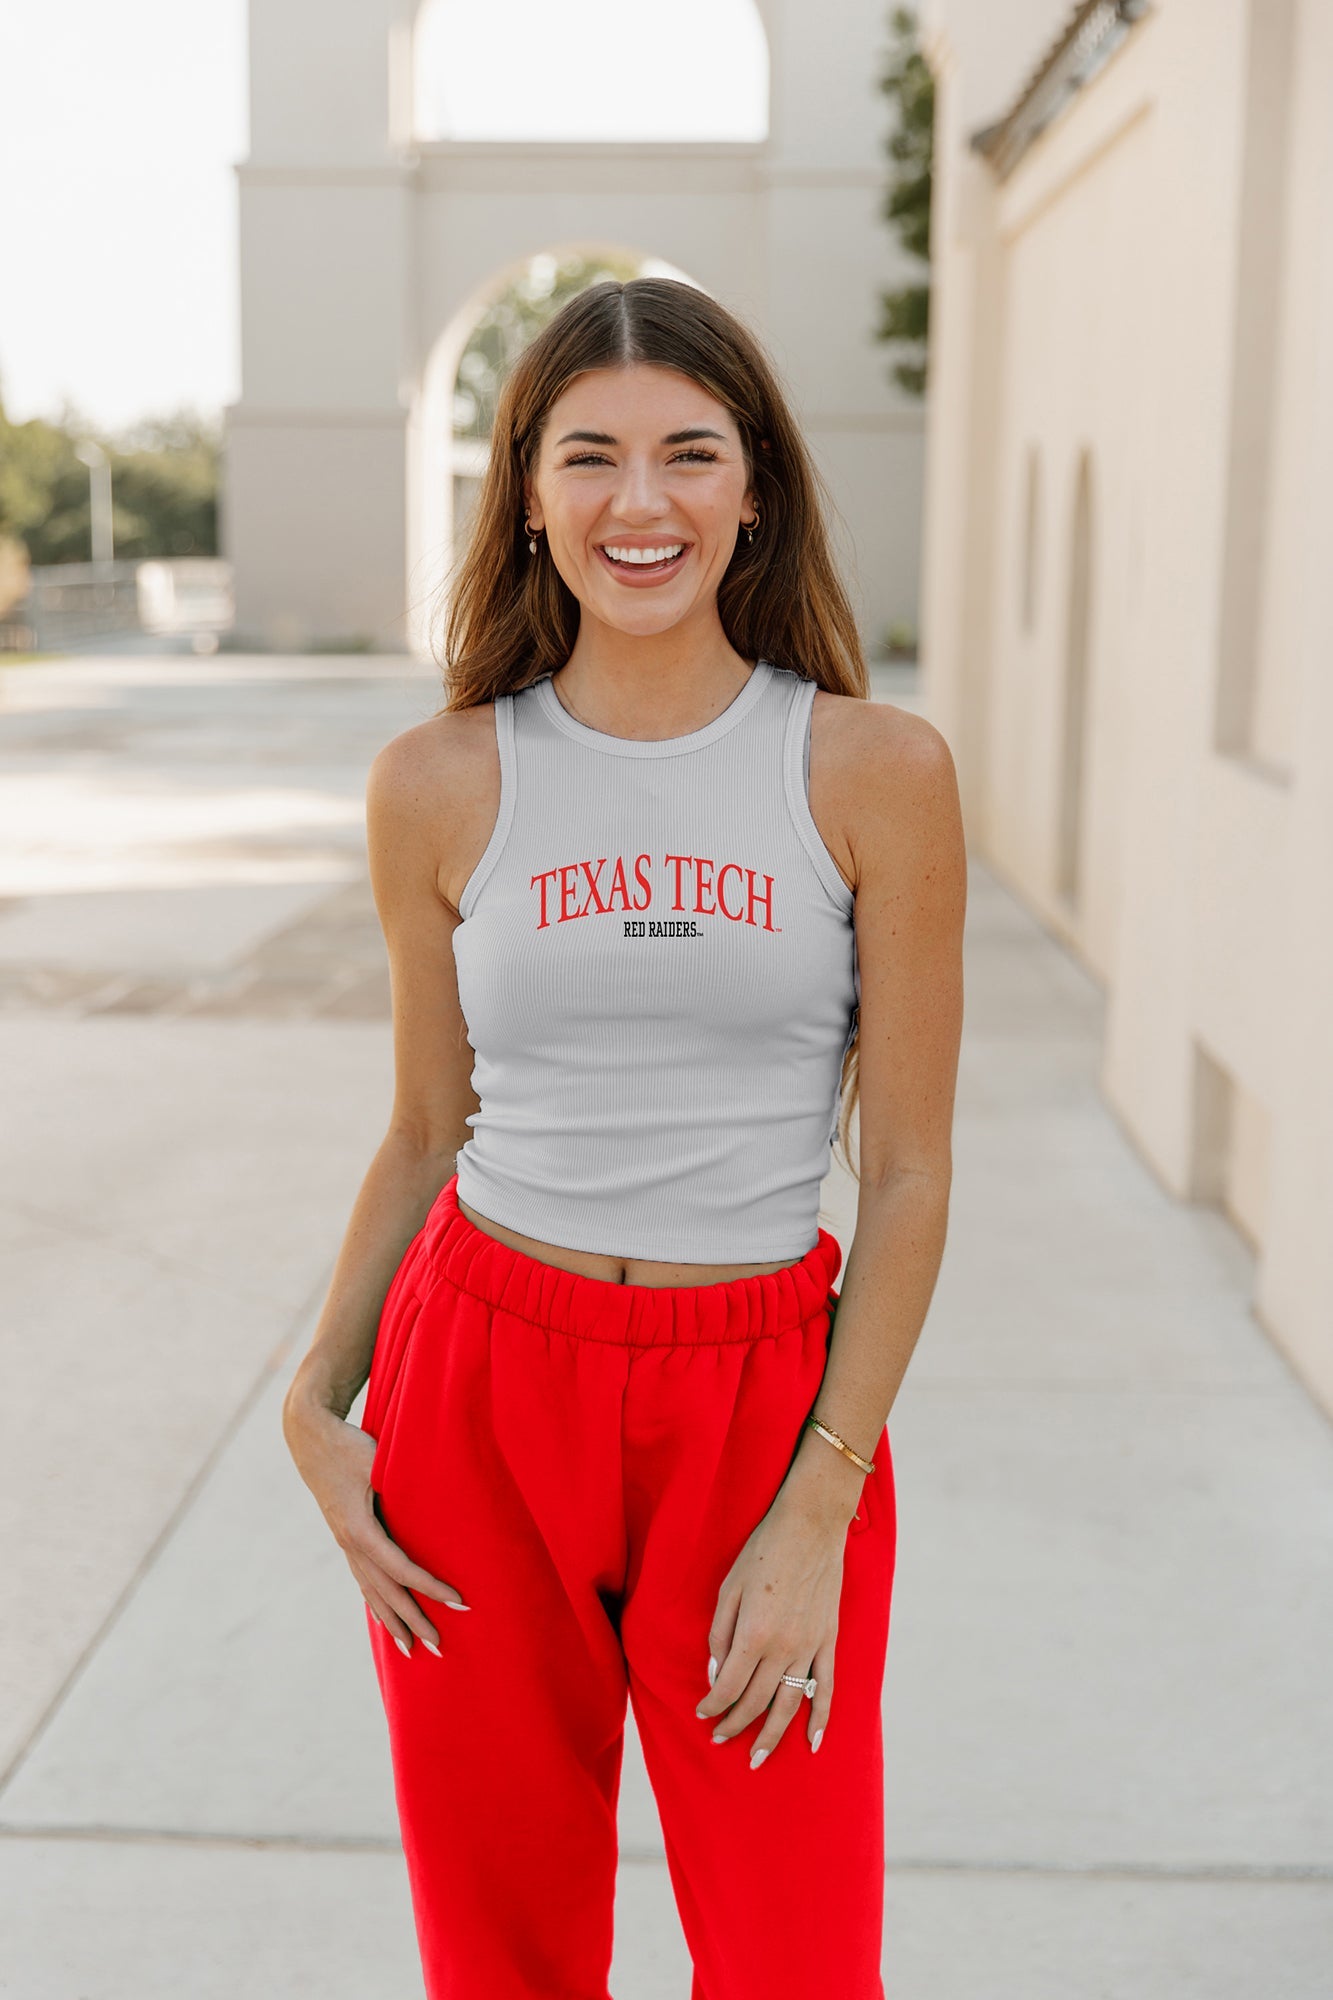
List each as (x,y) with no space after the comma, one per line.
(1110,1765)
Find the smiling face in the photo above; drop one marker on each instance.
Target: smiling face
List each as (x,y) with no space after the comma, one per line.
(639,461)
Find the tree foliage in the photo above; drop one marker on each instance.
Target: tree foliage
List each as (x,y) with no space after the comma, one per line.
(906,80)
(509,323)
(164,486)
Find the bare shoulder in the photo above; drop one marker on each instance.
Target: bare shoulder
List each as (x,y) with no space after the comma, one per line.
(887,777)
(434,789)
(454,746)
(876,742)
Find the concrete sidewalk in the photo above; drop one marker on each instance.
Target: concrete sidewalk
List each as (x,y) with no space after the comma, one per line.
(1110,1765)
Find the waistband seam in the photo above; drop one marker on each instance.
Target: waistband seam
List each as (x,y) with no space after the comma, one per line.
(453,1245)
(615,1340)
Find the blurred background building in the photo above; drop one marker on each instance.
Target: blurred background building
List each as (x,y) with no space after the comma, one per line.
(1106,513)
(1108,1766)
(376,242)
(1126,583)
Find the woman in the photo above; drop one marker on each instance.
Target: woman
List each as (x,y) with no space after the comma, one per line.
(660,887)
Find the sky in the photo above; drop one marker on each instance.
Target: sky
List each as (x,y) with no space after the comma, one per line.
(123,124)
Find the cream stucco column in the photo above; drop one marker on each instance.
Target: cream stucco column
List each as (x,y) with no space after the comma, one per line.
(314,487)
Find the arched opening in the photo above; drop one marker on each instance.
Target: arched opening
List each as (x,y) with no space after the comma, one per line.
(590,70)
(1031,533)
(450,426)
(1252,696)
(1078,629)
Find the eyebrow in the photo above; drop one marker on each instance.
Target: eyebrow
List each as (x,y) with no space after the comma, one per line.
(673,437)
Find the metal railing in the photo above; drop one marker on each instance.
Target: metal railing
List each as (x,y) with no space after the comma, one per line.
(73,601)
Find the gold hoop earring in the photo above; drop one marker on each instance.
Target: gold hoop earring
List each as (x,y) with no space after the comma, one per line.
(749,527)
(531,532)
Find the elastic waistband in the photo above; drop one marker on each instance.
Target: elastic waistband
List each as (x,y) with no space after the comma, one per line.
(627,1315)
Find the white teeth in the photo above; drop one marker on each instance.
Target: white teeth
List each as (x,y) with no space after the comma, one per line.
(643,555)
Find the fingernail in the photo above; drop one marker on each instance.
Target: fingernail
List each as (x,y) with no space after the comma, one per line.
(717,1738)
(455,1605)
(432,1649)
(816,1739)
(702,1717)
(757,1759)
(712,1670)
(403,1646)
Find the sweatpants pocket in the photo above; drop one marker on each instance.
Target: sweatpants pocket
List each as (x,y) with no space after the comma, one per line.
(398,1316)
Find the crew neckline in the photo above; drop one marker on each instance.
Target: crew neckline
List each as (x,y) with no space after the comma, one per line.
(662,746)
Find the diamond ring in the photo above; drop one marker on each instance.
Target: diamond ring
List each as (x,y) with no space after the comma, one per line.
(806,1686)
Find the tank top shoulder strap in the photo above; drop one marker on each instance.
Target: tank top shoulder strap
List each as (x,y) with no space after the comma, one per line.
(504,743)
(796,785)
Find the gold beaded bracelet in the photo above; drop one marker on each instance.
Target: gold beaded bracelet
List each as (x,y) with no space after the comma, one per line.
(866,1465)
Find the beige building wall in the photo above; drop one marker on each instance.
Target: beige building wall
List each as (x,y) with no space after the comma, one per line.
(367,256)
(1126,587)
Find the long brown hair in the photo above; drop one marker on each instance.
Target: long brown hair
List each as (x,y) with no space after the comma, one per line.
(510,615)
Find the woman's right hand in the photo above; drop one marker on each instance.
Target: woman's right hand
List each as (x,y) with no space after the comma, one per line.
(334,1458)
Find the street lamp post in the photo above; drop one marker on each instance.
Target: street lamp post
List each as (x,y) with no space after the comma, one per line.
(99,497)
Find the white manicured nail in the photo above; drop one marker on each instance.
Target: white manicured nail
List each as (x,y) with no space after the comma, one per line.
(403,1646)
(816,1739)
(757,1759)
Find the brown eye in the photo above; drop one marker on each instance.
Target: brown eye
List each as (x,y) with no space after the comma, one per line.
(596,457)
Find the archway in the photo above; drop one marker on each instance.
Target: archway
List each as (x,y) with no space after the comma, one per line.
(369,250)
(448,428)
(1031,539)
(1078,628)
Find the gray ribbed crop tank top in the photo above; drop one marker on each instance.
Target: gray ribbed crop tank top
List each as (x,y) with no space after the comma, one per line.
(657,967)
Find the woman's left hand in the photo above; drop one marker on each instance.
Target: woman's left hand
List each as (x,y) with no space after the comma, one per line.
(777,1613)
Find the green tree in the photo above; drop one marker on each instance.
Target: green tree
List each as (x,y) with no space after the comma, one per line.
(164,485)
(907,81)
(509,323)
(42,487)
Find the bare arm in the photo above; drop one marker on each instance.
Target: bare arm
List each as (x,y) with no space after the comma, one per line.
(432,1067)
(911,898)
(778,1605)
(418,807)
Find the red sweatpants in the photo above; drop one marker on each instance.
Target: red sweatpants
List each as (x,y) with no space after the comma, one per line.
(583,1462)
